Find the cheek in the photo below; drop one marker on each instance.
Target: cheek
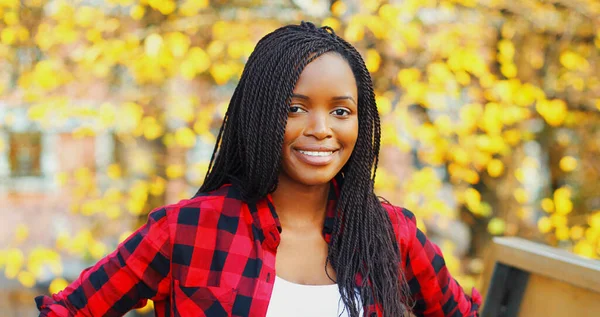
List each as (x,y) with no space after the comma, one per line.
(292,129)
(350,135)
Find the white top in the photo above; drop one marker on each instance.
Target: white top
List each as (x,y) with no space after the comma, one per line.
(298,300)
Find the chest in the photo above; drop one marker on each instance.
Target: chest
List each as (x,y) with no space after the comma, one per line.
(223,273)
(297,300)
(302,258)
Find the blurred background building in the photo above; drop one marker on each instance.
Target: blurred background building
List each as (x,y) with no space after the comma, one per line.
(108,109)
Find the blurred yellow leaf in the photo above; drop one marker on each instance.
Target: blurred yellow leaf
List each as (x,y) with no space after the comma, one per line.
(112,195)
(568,163)
(86,16)
(492,118)
(495,168)
(165,7)
(577,232)
(62,241)
(98,250)
(573,61)
(585,248)
(472,198)
(411,34)
(444,125)
(185,137)
(198,172)
(558,220)
(496,226)
(562,233)
(376,26)
(178,43)
(521,195)
(13,262)
(83,132)
(594,220)
(113,171)
(385,181)
(130,115)
(562,201)
(544,225)
(83,176)
(8,36)
(408,75)
(26,279)
(354,32)
(384,105)
(21,233)
(463,78)
(81,241)
(332,22)
(158,186)
(547,205)
(175,171)
(439,74)
(491,144)
(221,73)
(124,236)
(592,234)
(135,206)
(137,12)
(553,111)
(153,44)
(57,285)
(11,18)
(113,211)
(372,60)
(239,49)
(152,128)
(512,136)
(44,74)
(191,7)
(89,208)
(338,8)
(509,70)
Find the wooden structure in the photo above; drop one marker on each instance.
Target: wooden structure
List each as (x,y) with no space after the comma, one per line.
(527,279)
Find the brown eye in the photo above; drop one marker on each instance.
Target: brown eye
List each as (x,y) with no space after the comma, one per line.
(296,109)
(341,112)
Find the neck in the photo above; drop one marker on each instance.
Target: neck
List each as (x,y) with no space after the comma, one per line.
(300,206)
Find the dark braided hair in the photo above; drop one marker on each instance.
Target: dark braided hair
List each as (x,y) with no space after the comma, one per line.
(247,154)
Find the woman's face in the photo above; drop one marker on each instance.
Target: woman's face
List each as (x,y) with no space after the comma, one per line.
(322,126)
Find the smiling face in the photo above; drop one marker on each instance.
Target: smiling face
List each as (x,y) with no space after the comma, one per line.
(322,126)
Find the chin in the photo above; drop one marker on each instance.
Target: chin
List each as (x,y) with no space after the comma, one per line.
(313,179)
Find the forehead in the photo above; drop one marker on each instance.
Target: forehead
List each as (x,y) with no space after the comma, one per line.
(329,74)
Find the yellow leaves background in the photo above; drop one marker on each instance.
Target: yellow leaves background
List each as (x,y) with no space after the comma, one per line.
(489,111)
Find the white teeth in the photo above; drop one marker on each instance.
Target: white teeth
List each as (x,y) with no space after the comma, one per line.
(316,153)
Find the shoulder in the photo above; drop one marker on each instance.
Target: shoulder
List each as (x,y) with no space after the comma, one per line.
(403,221)
(184,211)
(399,216)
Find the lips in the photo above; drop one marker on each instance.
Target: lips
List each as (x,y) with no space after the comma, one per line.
(317,156)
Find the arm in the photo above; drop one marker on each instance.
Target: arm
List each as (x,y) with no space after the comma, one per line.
(435,292)
(136,271)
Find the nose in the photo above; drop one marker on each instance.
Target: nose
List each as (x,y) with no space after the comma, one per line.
(318,125)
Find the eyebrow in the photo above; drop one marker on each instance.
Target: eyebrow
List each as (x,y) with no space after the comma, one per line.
(299,96)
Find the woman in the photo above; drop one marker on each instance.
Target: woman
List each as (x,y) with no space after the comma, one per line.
(286,222)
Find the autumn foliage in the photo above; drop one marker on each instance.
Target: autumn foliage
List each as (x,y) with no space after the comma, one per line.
(490,110)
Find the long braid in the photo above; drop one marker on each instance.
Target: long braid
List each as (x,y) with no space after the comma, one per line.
(248,154)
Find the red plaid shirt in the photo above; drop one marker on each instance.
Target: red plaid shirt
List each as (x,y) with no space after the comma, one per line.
(214,255)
